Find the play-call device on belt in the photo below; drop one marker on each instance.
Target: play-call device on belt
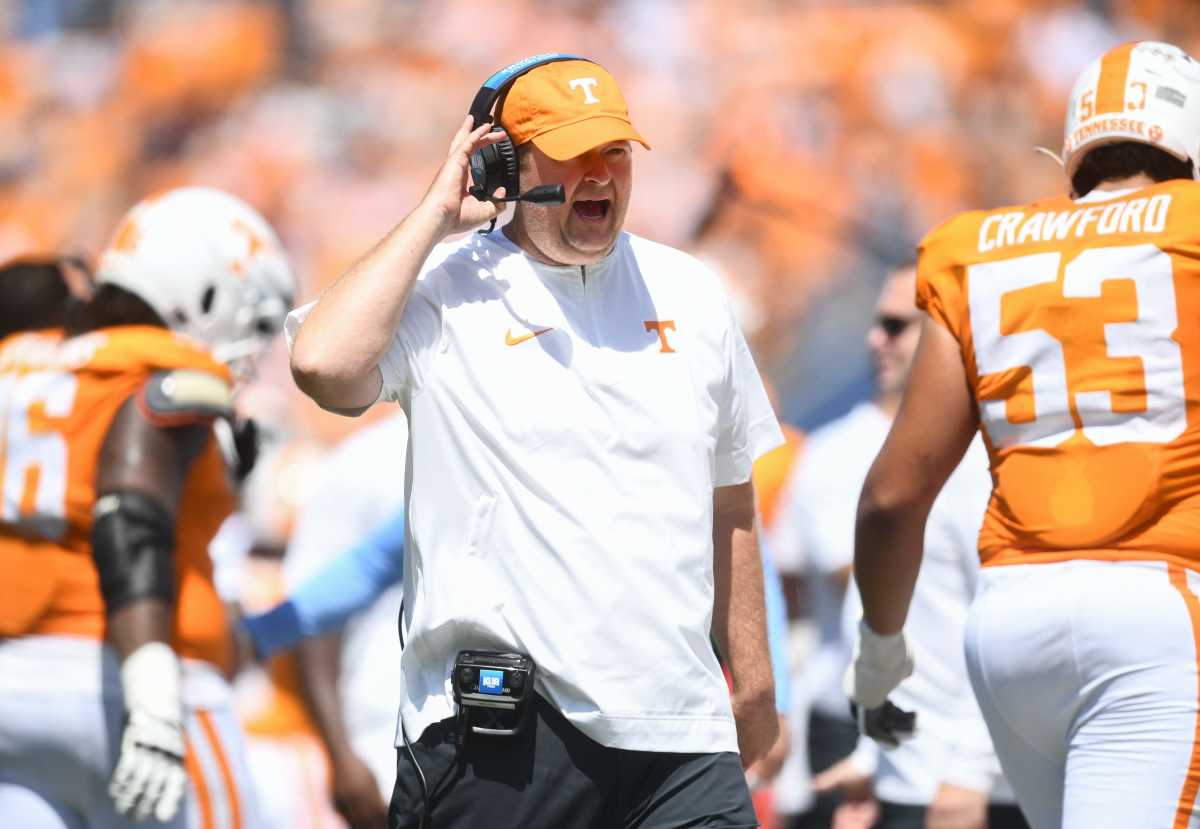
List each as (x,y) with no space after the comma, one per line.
(491,690)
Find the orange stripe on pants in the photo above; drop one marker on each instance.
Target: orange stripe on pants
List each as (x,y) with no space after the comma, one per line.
(1110,86)
(214,740)
(200,786)
(1191,783)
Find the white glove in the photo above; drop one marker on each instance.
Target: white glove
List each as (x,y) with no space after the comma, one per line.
(150,777)
(879,664)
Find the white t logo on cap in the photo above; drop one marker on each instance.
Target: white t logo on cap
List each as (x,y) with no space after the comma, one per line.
(587,84)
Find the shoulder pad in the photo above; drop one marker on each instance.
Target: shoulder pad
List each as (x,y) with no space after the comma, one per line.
(182,396)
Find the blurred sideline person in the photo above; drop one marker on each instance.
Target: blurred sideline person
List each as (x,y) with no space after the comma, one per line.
(350,678)
(1067,329)
(287,759)
(116,651)
(583,400)
(950,766)
(946,775)
(817,518)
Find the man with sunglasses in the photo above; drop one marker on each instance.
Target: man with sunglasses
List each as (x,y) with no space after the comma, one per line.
(948,771)
(816,518)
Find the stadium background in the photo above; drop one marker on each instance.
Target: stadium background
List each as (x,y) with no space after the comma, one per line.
(800,147)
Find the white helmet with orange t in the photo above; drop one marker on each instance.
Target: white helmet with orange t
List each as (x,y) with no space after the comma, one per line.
(208,264)
(1147,92)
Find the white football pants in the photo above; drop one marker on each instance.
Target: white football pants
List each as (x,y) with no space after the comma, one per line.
(61,718)
(1086,672)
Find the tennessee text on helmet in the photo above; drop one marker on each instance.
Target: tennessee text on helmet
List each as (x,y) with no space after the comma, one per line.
(1147,92)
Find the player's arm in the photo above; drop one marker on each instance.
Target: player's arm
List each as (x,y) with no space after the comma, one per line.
(326,600)
(139,482)
(338,348)
(932,430)
(739,619)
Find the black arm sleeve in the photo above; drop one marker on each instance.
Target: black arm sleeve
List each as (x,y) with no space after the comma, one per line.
(133,543)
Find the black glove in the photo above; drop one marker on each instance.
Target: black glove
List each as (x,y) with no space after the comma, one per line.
(886,725)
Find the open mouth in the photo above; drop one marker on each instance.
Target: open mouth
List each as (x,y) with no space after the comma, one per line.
(591,210)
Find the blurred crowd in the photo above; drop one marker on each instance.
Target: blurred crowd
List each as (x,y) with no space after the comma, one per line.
(800,146)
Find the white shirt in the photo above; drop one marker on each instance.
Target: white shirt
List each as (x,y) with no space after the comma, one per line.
(951,743)
(568,428)
(822,502)
(361,485)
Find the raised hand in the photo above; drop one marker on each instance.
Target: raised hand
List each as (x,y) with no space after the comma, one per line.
(447,197)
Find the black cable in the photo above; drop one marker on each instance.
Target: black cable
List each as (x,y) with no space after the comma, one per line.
(426,819)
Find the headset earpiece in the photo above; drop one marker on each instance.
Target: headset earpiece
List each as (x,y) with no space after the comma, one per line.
(495,165)
(492,167)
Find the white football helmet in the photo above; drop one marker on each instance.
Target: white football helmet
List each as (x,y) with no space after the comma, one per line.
(208,264)
(1147,92)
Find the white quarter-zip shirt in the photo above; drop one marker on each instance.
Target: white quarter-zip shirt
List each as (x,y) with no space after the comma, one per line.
(567,428)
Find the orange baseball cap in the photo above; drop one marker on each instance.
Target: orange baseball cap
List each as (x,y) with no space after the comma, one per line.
(567,108)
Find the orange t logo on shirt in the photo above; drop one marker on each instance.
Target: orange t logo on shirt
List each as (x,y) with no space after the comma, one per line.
(662,327)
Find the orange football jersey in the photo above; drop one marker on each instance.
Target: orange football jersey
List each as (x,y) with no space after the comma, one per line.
(1079,323)
(57,400)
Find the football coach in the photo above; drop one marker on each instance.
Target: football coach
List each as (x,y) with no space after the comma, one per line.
(583,413)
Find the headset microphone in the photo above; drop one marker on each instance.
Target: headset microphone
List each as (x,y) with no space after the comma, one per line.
(542,194)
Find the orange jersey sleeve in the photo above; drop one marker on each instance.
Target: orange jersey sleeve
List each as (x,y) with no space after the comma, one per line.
(57,401)
(1079,324)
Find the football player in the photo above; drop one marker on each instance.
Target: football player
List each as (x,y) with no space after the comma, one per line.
(1069,330)
(115,644)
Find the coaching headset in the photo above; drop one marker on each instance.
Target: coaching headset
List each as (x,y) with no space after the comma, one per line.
(495,165)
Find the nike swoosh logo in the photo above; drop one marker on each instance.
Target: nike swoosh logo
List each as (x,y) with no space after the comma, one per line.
(509,339)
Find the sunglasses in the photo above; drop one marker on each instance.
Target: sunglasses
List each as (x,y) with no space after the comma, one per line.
(894,326)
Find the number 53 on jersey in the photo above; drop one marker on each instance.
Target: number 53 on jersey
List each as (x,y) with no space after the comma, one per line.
(1092,353)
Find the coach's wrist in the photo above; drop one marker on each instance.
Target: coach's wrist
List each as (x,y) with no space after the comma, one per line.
(754,697)
(757,722)
(435,219)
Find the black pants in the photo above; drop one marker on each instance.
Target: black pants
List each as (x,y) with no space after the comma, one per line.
(551,775)
(904,816)
(830,740)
